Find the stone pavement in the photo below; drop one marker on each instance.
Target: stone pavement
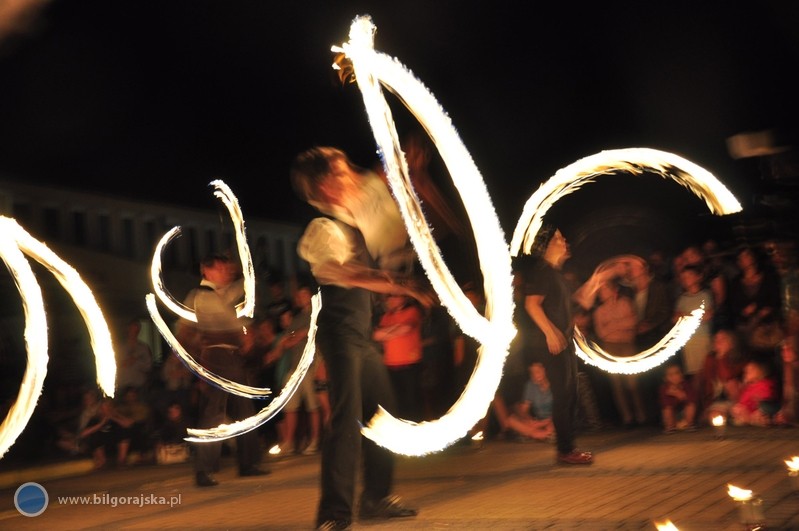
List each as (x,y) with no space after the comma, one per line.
(640,477)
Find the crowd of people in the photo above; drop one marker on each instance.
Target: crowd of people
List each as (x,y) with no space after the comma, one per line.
(383,339)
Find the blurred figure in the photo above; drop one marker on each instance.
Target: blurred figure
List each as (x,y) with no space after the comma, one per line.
(615,323)
(399,330)
(788,415)
(140,431)
(291,345)
(169,444)
(218,336)
(532,416)
(107,432)
(677,400)
(755,302)
(759,399)
(720,378)
(692,297)
(353,252)
(135,359)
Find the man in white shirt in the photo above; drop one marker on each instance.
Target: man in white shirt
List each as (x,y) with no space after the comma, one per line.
(353,254)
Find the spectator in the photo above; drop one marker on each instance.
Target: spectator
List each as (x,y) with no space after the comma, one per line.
(615,323)
(677,401)
(759,399)
(107,432)
(755,302)
(140,431)
(720,378)
(788,415)
(399,330)
(693,295)
(170,446)
(135,359)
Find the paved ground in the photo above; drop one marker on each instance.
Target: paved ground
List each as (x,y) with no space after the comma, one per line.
(640,477)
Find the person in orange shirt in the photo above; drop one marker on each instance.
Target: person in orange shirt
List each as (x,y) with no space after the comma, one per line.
(400,332)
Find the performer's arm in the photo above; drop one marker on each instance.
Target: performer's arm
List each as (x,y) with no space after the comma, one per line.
(556,342)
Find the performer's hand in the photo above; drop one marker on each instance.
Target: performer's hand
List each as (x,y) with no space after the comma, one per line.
(556,342)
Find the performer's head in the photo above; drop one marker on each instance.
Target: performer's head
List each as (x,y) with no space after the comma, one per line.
(550,245)
(323,175)
(219,269)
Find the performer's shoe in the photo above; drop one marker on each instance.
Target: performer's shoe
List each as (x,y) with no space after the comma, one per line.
(575,457)
(388,507)
(337,524)
(253,471)
(204,479)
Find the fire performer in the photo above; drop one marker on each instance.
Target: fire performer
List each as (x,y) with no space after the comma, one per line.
(548,301)
(353,252)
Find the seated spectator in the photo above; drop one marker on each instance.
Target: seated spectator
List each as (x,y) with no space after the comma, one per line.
(677,401)
(140,431)
(107,432)
(720,377)
(170,446)
(788,415)
(531,417)
(69,436)
(759,399)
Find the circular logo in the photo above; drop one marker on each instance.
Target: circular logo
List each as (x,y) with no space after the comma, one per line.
(31,499)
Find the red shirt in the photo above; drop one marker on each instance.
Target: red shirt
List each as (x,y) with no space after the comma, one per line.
(405,349)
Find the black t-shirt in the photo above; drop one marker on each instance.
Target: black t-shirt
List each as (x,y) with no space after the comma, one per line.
(543,280)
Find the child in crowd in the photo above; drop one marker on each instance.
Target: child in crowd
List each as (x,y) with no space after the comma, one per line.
(720,378)
(759,399)
(677,401)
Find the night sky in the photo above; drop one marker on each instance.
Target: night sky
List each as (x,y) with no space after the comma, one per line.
(153,100)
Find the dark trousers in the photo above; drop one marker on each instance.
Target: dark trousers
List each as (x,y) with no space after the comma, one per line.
(218,406)
(562,372)
(407,383)
(358,383)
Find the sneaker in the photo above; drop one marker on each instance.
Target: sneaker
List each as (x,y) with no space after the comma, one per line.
(388,507)
(311,449)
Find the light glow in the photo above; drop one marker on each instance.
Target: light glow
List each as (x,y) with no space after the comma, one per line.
(718,421)
(793,465)
(246,307)
(234,429)
(645,360)
(14,241)
(495,330)
(738,494)
(636,161)
(666,526)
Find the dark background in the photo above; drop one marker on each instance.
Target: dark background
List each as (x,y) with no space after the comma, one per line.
(153,100)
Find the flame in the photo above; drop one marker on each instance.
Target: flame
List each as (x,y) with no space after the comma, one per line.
(793,464)
(567,180)
(718,421)
(14,241)
(738,494)
(495,330)
(666,525)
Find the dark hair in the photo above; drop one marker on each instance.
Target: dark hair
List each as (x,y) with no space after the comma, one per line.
(311,166)
(542,239)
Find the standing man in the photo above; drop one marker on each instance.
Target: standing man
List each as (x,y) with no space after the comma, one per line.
(220,338)
(352,253)
(548,301)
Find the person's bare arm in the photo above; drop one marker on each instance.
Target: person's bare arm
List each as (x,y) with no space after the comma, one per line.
(556,342)
(376,280)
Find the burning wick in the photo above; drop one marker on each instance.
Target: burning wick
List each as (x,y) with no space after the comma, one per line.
(738,494)
(793,466)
